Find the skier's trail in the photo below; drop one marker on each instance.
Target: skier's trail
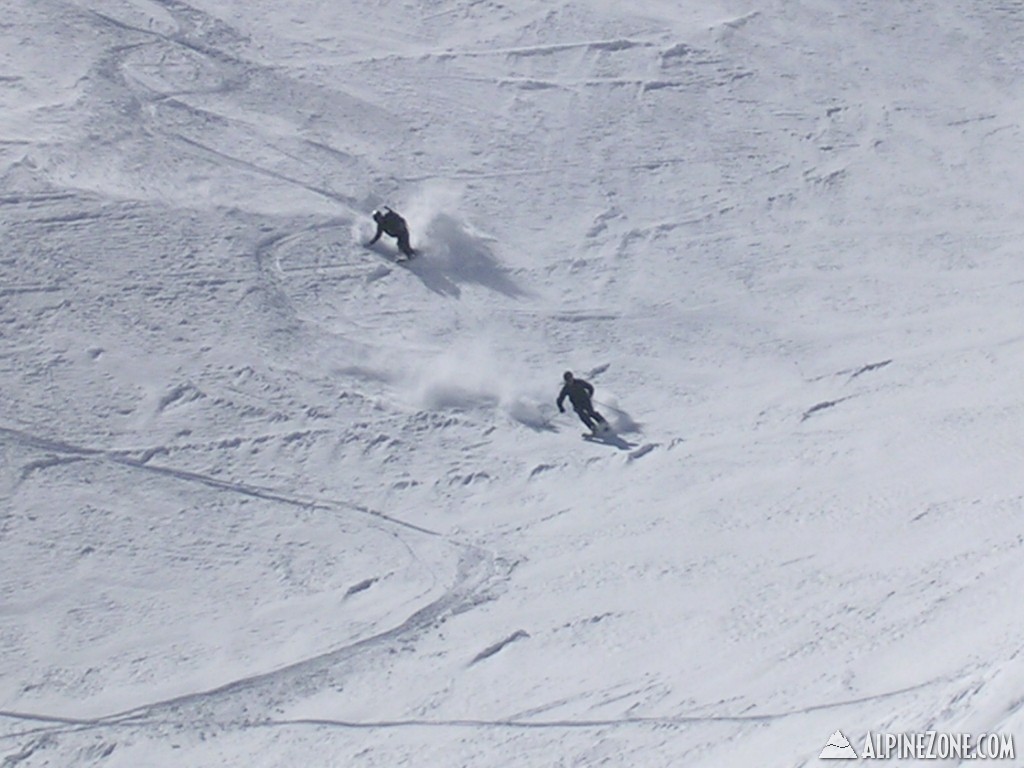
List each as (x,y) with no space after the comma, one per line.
(478,570)
(239,702)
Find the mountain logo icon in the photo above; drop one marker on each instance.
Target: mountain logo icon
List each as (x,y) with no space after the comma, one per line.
(838,748)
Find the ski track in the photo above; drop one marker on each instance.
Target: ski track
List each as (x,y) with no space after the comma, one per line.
(159,714)
(219,73)
(478,569)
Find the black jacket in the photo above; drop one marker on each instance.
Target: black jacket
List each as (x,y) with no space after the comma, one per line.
(390,223)
(579,393)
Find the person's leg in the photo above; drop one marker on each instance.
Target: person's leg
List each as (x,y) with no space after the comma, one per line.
(403,243)
(585,418)
(593,414)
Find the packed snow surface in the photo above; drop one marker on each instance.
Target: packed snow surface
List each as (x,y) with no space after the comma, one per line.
(269,498)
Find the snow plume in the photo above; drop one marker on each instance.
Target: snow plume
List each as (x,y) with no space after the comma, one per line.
(455,252)
(461,378)
(608,405)
(472,376)
(433,200)
(467,256)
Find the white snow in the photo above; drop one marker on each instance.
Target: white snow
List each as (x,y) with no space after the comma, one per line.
(269,499)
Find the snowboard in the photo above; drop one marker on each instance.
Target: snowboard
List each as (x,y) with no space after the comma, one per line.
(395,258)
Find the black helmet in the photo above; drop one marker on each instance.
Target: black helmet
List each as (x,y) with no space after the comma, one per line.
(377,215)
(567,375)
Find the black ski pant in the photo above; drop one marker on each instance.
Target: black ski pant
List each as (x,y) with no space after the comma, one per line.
(588,415)
(403,243)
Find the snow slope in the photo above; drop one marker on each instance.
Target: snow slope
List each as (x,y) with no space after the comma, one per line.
(269,499)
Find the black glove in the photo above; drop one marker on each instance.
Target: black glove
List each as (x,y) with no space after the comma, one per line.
(561,409)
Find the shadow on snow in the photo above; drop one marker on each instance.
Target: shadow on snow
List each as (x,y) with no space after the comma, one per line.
(451,256)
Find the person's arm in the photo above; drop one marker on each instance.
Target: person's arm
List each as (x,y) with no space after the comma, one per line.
(588,386)
(380,231)
(561,398)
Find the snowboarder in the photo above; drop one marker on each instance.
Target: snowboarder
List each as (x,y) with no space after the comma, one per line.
(579,393)
(389,222)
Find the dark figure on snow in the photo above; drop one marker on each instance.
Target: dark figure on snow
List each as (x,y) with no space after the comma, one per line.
(579,393)
(390,223)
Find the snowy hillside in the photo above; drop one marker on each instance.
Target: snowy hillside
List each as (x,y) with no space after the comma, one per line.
(269,498)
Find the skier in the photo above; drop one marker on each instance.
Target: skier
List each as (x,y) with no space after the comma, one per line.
(579,393)
(389,222)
